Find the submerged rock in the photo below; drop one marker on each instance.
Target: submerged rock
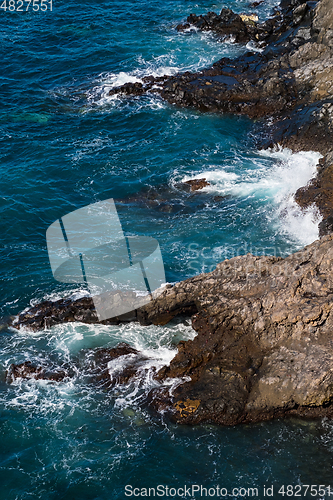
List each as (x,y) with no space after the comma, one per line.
(180,198)
(27,370)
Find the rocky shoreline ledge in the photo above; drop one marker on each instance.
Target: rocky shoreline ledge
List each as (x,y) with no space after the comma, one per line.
(264,344)
(287,86)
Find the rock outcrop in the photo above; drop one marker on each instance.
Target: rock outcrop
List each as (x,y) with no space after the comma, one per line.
(264,343)
(264,338)
(294,69)
(48,313)
(98,365)
(102,367)
(227,24)
(27,370)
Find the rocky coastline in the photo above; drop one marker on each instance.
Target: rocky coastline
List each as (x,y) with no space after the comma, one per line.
(264,344)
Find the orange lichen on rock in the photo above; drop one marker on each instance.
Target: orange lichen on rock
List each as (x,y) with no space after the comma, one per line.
(187,407)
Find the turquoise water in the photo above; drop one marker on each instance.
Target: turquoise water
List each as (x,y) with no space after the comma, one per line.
(66,144)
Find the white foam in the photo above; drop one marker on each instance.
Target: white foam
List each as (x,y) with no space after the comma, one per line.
(116,80)
(221,181)
(61,344)
(74,294)
(295,171)
(187,54)
(254,47)
(157,347)
(275,182)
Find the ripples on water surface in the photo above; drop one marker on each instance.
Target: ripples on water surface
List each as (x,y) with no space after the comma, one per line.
(64,144)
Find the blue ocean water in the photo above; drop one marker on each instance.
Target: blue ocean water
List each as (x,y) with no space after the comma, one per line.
(65,144)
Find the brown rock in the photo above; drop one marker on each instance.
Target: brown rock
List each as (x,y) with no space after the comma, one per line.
(264,338)
(99,364)
(196,184)
(263,346)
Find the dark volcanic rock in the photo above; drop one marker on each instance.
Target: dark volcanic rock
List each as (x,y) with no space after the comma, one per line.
(242,28)
(271,83)
(306,128)
(236,87)
(131,88)
(138,88)
(291,80)
(264,343)
(48,313)
(227,23)
(256,84)
(96,364)
(102,366)
(320,191)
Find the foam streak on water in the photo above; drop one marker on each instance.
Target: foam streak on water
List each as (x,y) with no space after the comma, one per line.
(203,51)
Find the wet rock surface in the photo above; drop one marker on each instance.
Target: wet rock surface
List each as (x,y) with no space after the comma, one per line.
(320,191)
(48,313)
(227,24)
(112,366)
(106,366)
(270,82)
(197,184)
(27,370)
